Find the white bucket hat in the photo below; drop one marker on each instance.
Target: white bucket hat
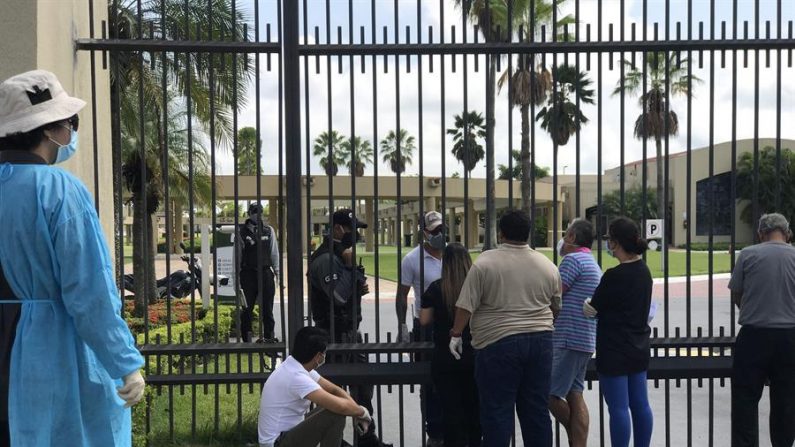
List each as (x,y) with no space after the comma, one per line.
(33,99)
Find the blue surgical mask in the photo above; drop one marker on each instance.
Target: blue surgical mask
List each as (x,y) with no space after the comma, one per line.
(65,152)
(608,249)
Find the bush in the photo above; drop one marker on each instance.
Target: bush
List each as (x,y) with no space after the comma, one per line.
(205,333)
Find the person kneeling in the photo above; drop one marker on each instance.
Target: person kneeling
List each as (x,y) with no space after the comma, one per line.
(288,392)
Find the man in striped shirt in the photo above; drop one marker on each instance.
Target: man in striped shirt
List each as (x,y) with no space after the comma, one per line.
(574,338)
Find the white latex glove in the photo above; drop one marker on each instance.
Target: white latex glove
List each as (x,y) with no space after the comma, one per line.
(588,310)
(456,347)
(133,390)
(404,335)
(362,423)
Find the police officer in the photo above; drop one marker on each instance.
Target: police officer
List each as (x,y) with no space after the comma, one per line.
(259,267)
(336,289)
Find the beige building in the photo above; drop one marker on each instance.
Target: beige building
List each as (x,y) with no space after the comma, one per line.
(696,218)
(39,34)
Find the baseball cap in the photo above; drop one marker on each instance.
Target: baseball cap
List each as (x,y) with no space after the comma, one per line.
(346,218)
(33,99)
(432,220)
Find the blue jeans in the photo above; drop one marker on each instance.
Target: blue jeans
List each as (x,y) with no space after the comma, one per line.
(625,394)
(515,372)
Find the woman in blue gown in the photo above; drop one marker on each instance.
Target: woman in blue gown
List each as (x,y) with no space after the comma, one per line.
(74,367)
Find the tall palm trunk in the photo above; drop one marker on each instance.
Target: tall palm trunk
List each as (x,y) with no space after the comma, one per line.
(176,224)
(660,180)
(490,233)
(143,256)
(527,167)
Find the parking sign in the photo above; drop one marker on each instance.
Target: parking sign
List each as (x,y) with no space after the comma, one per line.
(654,229)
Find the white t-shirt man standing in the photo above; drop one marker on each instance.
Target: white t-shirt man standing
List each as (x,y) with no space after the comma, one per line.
(288,392)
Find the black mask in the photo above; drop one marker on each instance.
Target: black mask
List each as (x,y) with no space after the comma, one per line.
(347,241)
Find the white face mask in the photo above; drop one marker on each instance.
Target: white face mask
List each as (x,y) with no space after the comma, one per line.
(560,246)
(608,249)
(322,360)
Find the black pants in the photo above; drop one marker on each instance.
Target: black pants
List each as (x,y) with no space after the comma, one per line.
(762,354)
(429,399)
(362,394)
(249,282)
(9,317)
(460,410)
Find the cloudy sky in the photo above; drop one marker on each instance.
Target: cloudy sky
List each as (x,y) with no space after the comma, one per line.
(343,104)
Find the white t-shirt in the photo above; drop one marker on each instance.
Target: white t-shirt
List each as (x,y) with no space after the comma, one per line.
(283,404)
(410,274)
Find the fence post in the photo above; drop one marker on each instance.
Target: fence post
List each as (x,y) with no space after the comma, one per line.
(292,110)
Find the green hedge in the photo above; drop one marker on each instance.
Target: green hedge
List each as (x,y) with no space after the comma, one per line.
(716,246)
(205,333)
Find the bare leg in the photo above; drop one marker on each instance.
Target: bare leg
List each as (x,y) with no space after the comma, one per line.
(560,409)
(578,420)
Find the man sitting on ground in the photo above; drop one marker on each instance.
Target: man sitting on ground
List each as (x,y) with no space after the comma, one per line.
(283,418)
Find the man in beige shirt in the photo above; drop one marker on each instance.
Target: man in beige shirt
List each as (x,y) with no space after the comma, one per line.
(508,299)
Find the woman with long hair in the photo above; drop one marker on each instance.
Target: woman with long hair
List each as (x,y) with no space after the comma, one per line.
(621,303)
(454,379)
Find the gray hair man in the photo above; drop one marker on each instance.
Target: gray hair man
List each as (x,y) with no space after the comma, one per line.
(763,288)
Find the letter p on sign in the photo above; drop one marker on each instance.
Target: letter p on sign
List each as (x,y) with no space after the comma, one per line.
(654,229)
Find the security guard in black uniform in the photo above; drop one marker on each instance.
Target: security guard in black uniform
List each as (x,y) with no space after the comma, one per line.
(259,267)
(336,289)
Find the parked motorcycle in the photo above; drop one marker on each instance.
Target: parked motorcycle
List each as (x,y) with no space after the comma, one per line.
(180,283)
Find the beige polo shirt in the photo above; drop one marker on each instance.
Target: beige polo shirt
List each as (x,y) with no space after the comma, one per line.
(509,291)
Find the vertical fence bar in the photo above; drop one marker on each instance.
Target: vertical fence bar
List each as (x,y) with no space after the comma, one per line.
(292,128)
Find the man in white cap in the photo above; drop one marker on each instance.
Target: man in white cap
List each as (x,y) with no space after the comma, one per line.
(419,275)
(68,359)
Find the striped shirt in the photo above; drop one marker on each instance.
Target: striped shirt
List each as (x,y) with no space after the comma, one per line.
(580,274)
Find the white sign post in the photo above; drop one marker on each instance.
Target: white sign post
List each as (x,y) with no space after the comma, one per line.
(655,229)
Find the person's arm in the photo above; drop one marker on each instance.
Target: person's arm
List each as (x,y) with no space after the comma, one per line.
(402,298)
(275,258)
(426,316)
(462,317)
(336,404)
(556,300)
(334,389)
(88,288)
(569,271)
(736,281)
(601,295)
(402,303)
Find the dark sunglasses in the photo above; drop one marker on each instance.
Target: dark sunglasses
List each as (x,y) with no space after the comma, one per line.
(74,122)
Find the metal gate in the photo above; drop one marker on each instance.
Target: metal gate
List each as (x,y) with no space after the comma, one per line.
(429,93)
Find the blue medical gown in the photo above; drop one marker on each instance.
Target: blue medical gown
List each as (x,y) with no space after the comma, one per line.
(72,347)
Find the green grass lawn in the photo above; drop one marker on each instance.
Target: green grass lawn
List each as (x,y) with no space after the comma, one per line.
(229,433)
(677,262)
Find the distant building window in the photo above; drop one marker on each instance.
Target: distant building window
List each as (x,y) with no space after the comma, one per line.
(720,188)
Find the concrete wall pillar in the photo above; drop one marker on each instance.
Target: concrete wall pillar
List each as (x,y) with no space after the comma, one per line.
(369,232)
(471,227)
(452,230)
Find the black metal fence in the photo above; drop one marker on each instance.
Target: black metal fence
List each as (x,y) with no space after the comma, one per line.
(698,85)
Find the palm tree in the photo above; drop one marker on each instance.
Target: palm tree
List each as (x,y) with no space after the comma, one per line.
(492,18)
(468,128)
(531,82)
(657,119)
(247,149)
(358,154)
(139,75)
(561,117)
(321,146)
(398,150)
(515,171)
(147,193)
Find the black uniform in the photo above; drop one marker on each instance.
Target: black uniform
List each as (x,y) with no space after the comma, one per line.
(332,281)
(256,266)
